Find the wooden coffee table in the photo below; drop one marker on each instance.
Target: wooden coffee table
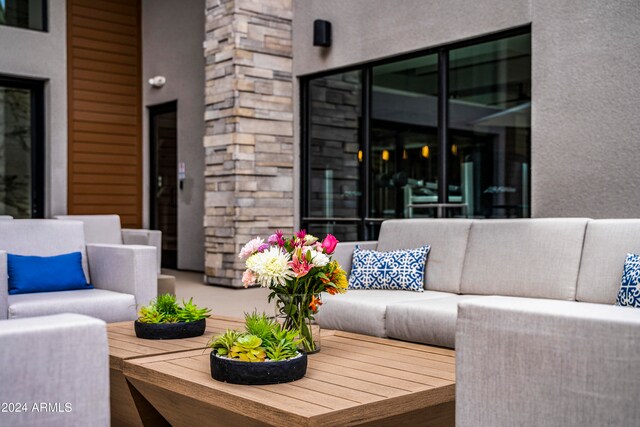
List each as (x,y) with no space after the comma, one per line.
(354,379)
(124,345)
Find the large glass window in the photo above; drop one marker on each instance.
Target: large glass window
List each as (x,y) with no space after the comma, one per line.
(404,137)
(21,169)
(490,127)
(445,133)
(334,153)
(23,14)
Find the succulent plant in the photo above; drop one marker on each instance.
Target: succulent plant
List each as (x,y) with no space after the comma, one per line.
(189,312)
(284,344)
(165,309)
(150,314)
(247,348)
(260,325)
(221,344)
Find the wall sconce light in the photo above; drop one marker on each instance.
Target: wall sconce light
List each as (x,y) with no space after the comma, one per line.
(385,155)
(405,155)
(321,33)
(158,81)
(425,151)
(454,149)
(359,155)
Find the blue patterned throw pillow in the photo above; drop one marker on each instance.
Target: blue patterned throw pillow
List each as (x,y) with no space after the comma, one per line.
(629,294)
(401,269)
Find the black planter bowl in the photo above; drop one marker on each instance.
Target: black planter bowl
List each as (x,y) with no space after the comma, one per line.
(170,331)
(257,373)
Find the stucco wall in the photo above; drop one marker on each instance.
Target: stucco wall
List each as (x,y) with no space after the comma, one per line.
(586,84)
(43,55)
(172,37)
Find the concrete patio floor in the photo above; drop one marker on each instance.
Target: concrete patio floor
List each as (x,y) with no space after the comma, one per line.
(222,301)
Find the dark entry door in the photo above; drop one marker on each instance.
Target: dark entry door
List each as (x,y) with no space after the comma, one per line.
(164,188)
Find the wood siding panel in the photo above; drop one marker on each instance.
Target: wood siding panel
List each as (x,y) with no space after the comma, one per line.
(105,109)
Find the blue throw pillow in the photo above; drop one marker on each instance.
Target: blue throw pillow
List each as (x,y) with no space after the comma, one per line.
(629,294)
(401,269)
(29,274)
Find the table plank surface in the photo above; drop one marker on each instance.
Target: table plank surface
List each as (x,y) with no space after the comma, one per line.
(353,378)
(124,345)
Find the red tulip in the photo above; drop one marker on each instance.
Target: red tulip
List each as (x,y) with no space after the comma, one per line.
(329,244)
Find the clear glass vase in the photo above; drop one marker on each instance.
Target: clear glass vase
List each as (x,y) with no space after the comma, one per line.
(295,313)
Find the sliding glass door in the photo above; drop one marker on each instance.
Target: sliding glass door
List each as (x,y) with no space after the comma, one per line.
(21,148)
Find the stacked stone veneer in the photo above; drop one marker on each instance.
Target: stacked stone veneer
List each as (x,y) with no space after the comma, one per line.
(249,129)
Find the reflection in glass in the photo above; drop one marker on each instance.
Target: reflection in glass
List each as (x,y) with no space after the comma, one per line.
(22,13)
(344,231)
(334,177)
(404,144)
(490,127)
(15,152)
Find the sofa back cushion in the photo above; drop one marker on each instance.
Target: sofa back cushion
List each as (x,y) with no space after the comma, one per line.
(536,258)
(43,237)
(99,228)
(447,238)
(606,244)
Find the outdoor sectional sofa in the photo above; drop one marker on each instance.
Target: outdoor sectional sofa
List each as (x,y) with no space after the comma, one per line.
(528,305)
(570,259)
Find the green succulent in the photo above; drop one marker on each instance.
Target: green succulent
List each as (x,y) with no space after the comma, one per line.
(221,344)
(165,309)
(260,325)
(247,348)
(150,314)
(189,312)
(166,303)
(284,344)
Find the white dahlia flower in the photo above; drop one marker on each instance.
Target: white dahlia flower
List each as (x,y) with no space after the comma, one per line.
(271,266)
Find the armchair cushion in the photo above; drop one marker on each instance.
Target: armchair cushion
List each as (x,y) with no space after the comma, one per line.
(105,305)
(28,274)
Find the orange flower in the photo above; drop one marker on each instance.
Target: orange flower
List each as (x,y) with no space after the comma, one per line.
(315,303)
(331,290)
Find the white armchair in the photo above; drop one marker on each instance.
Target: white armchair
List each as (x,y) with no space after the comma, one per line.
(123,276)
(60,361)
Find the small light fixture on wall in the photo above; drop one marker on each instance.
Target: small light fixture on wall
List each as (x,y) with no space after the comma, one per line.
(359,155)
(385,155)
(425,151)
(157,81)
(321,33)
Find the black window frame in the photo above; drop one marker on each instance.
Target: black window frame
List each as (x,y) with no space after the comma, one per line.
(45,20)
(37,138)
(364,223)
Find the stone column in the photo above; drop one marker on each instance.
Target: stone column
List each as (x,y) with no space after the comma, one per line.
(249,129)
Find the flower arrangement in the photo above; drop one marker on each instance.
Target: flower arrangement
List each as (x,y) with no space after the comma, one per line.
(297,270)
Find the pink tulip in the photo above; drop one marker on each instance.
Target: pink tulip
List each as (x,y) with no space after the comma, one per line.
(329,244)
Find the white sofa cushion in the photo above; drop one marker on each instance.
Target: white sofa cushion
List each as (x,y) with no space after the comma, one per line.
(99,228)
(364,311)
(606,244)
(43,237)
(448,241)
(430,321)
(536,258)
(102,304)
